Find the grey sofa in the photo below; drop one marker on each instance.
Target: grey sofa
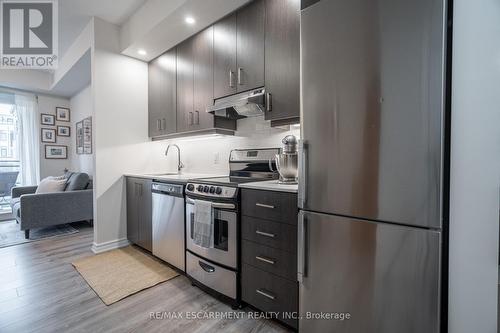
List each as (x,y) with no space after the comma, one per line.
(45,209)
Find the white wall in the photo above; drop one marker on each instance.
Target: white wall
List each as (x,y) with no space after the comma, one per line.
(81,108)
(79,47)
(475,167)
(26,79)
(53,167)
(119,89)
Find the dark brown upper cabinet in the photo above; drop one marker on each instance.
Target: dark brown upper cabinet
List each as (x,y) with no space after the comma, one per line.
(185,107)
(195,84)
(282,66)
(259,45)
(250,23)
(162,94)
(203,76)
(225,56)
(239,51)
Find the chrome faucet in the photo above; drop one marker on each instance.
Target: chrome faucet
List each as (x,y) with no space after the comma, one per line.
(180,165)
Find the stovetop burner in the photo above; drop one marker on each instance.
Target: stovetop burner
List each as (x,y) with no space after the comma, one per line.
(245,165)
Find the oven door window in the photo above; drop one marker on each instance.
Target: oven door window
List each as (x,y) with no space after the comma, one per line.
(220,231)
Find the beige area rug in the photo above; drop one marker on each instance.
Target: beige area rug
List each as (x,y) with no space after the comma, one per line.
(119,273)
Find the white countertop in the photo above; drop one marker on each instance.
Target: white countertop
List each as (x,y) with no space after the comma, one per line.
(179,178)
(271,185)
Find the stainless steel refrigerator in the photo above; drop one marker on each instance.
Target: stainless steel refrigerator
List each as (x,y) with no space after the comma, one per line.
(371,170)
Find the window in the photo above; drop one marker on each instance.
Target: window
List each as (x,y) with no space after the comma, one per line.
(9,156)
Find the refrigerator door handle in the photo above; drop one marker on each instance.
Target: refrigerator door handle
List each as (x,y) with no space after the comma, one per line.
(302,247)
(302,174)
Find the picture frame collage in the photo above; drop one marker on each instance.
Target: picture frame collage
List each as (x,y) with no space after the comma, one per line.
(49,134)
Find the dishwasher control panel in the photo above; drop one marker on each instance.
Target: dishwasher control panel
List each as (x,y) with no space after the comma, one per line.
(177,190)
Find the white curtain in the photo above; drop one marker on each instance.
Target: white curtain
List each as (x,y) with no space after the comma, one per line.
(28,139)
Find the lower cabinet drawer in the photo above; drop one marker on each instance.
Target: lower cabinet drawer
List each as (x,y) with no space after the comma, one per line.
(213,276)
(270,260)
(274,234)
(270,205)
(270,293)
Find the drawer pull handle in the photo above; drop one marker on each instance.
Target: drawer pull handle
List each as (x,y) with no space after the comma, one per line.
(264,205)
(206,268)
(265,294)
(266,260)
(266,234)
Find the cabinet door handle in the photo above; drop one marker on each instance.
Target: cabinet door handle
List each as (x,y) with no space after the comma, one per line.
(231,78)
(197,121)
(158,125)
(266,260)
(265,234)
(264,205)
(265,293)
(269,101)
(240,81)
(163,124)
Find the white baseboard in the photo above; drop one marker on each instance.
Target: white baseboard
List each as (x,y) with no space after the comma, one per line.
(111,245)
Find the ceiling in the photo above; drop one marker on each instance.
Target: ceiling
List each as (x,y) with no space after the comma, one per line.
(74,15)
(152,25)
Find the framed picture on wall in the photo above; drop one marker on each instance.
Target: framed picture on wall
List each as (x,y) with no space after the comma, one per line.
(48,119)
(79,137)
(48,135)
(62,114)
(87,135)
(56,152)
(84,136)
(63,130)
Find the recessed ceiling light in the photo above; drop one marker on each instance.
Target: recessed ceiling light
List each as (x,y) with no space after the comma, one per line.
(190,20)
(142,52)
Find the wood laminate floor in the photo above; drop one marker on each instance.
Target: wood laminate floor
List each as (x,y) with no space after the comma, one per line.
(40,291)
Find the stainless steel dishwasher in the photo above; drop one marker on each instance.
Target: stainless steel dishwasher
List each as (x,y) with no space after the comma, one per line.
(168,224)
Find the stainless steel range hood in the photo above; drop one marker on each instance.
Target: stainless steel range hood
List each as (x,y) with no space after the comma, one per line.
(246,104)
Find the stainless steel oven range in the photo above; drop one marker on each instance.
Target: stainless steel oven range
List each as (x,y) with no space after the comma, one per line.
(217,268)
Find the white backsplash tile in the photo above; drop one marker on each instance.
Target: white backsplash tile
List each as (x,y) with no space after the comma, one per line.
(199,154)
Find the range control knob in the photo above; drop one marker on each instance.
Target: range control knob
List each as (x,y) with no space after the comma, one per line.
(190,187)
(205,189)
(200,188)
(218,190)
(212,189)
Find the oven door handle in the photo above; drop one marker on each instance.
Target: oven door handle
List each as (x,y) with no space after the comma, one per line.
(218,205)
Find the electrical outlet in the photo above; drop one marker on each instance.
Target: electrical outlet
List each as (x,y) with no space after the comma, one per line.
(216,158)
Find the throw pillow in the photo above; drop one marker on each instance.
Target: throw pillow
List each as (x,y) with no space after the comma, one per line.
(51,184)
(78,181)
